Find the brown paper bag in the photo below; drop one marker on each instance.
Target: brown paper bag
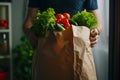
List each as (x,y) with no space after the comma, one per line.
(64,56)
(84,68)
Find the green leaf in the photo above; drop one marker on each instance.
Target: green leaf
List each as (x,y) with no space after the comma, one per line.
(44,21)
(84,18)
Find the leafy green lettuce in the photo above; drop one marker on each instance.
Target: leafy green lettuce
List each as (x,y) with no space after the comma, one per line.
(84,18)
(44,21)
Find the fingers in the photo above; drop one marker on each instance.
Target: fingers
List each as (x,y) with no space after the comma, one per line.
(93,38)
(93,33)
(93,43)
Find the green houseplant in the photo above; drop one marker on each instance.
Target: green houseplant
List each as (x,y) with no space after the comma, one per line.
(22,60)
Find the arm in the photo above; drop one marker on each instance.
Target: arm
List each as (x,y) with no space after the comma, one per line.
(27,27)
(99,25)
(94,34)
(30,17)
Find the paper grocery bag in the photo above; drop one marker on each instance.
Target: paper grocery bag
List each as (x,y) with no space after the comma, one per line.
(64,56)
(84,68)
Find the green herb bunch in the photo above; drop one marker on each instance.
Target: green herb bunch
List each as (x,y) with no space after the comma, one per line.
(22,60)
(44,21)
(84,18)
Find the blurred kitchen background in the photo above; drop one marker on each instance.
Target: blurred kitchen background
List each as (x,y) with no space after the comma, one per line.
(12,41)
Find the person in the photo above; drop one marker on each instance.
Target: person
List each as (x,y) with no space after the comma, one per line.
(60,6)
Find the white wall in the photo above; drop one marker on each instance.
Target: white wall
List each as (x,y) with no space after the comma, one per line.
(101,49)
(18,14)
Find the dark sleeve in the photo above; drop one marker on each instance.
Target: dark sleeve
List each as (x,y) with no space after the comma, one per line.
(33,3)
(91,4)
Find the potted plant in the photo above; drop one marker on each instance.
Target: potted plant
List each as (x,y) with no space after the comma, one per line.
(22,60)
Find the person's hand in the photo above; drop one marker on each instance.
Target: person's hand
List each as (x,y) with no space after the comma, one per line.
(93,37)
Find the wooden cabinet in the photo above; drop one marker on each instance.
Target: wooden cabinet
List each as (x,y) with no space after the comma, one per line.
(5,40)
